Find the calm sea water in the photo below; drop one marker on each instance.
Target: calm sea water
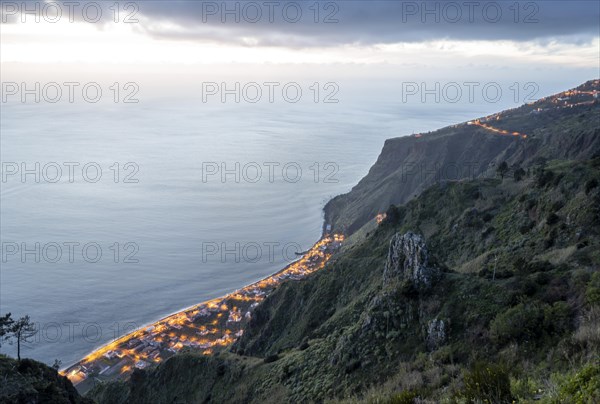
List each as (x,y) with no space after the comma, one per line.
(171,219)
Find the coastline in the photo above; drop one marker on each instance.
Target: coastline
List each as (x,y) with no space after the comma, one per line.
(178,311)
(202,327)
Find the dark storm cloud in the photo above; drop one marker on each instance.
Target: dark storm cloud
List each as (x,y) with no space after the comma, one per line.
(367,22)
(322,23)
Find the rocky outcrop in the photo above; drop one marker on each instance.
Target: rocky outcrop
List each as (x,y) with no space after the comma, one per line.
(396,308)
(408,263)
(437,334)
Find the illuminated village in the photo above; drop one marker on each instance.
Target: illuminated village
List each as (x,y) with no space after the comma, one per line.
(567,99)
(203,328)
(220,322)
(495,130)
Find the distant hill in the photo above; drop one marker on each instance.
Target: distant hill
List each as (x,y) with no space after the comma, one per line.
(565,129)
(482,289)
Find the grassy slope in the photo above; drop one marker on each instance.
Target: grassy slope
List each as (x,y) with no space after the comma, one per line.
(339,335)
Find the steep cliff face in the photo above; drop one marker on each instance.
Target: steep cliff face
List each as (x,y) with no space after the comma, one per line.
(419,300)
(409,165)
(433,289)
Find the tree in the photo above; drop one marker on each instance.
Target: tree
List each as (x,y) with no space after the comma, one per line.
(519,174)
(22,329)
(57,364)
(392,215)
(6,323)
(540,165)
(502,169)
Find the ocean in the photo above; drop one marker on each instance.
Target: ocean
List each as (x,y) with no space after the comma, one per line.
(113,216)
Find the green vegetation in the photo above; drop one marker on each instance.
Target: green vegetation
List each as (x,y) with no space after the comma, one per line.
(19,330)
(408,165)
(513,313)
(581,387)
(487,383)
(502,169)
(501,305)
(513,316)
(28,381)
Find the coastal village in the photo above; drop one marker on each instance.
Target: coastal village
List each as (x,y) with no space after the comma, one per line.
(204,328)
(567,99)
(218,323)
(588,95)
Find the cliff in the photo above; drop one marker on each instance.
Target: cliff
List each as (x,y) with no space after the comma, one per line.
(500,272)
(483,288)
(409,165)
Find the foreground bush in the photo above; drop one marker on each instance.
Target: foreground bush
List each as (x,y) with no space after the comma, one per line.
(488,383)
(583,387)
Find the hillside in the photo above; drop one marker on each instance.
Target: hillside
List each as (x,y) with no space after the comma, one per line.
(31,382)
(473,288)
(471,275)
(563,126)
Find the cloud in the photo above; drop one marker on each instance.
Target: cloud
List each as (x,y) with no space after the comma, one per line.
(331,23)
(308,23)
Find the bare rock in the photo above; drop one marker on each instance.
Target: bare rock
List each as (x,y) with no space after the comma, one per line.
(437,334)
(408,262)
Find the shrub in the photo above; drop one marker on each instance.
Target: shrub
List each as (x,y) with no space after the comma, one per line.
(404,397)
(591,184)
(352,366)
(550,239)
(520,323)
(521,266)
(542,278)
(582,387)
(526,228)
(528,287)
(393,215)
(271,358)
(487,216)
(588,333)
(519,174)
(487,383)
(557,318)
(540,266)
(592,291)
(221,369)
(552,219)
(502,169)
(544,178)
(523,389)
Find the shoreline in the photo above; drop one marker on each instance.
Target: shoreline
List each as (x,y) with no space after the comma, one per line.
(179,311)
(202,327)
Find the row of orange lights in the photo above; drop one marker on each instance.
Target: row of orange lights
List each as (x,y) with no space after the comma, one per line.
(181,317)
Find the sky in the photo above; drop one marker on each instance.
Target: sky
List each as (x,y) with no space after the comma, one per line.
(182,42)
